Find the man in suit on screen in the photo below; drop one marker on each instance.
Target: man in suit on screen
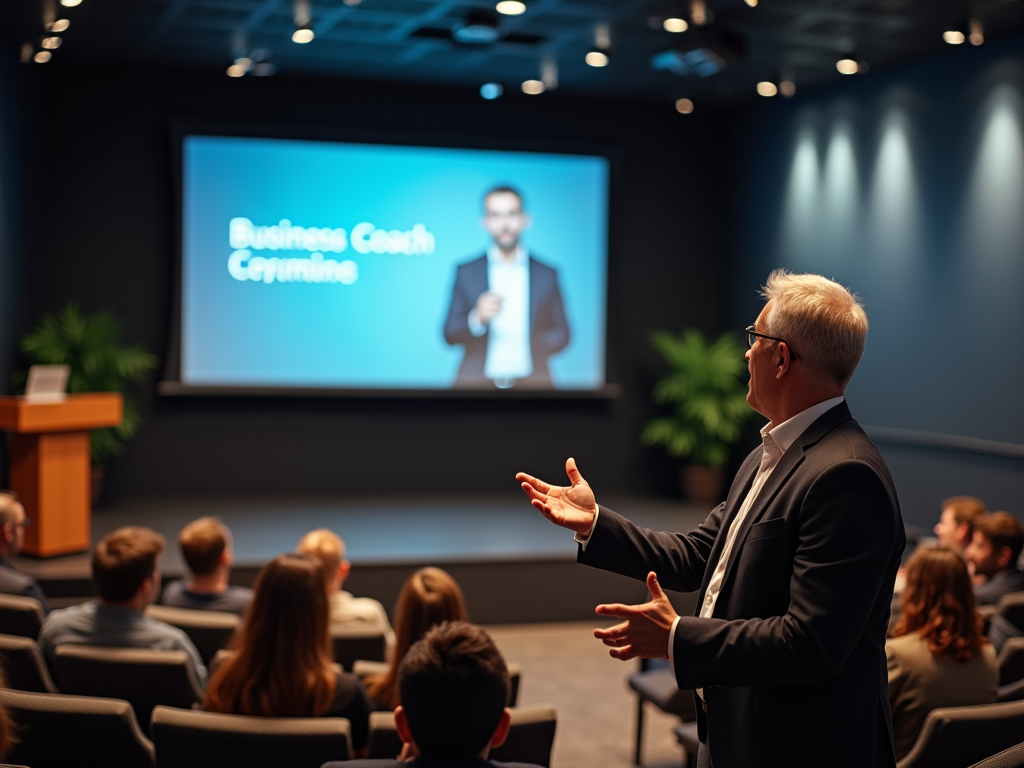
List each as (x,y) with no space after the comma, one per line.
(506,307)
(794,570)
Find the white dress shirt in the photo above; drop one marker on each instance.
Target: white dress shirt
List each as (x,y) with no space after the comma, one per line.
(775,442)
(508,342)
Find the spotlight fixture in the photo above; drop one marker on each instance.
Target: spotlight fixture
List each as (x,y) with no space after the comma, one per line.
(491,91)
(478,28)
(787,88)
(699,13)
(58,26)
(598,55)
(533,87)
(596,58)
(675,25)
(302,14)
(42,57)
(954,35)
(70,3)
(238,69)
(511,7)
(262,63)
(848,65)
(684,106)
(977,34)
(549,72)
(26,52)
(51,43)
(767,88)
(303,35)
(751,3)
(353,2)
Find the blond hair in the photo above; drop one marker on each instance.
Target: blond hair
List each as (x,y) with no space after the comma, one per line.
(327,547)
(823,322)
(9,504)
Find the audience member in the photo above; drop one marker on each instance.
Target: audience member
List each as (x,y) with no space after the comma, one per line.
(12,535)
(956,524)
(206,546)
(281,663)
(126,572)
(429,597)
(993,552)
(329,549)
(937,656)
(8,737)
(454,687)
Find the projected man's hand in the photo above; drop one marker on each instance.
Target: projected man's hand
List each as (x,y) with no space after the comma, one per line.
(487,307)
(572,507)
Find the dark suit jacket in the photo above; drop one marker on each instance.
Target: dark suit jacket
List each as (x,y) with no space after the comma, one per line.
(427,762)
(792,662)
(14,582)
(549,330)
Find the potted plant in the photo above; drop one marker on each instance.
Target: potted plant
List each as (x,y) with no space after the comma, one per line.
(706,389)
(90,345)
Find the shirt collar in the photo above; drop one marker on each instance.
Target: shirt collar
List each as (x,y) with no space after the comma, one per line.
(494,256)
(788,431)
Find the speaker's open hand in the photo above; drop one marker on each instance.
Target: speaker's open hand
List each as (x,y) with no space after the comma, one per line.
(571,507)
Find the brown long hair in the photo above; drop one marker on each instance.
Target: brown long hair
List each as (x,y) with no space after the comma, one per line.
(282,663)
(429,597)
(939,604)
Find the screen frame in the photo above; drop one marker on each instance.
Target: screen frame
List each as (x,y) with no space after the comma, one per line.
(171,383)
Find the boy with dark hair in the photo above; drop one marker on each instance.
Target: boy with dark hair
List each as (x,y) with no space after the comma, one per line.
(993,552)
(206,546)
(126,572)
(454,687)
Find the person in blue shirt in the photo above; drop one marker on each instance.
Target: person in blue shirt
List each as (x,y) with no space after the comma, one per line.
(206,546)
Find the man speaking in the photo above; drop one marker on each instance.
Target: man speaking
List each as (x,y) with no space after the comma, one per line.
(506,307)
(795,569)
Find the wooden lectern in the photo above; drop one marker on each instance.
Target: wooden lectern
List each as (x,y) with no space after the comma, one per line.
(50,467)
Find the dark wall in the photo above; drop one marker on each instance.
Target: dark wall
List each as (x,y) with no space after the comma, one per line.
(908,186)
(100,230)
(9,208)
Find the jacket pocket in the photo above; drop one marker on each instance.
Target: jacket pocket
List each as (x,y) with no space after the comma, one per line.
(765,529)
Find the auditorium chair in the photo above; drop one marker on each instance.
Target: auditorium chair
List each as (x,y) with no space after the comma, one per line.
(353,642)
(956,736)
(530,737)
(1008,758)
(656,683)
(57,731)
(1011,661)
(1011,608)
(24,665)
(363,669)
(186,738)
(686,735)
(1012,692)
(21,616)
(209,630)
(142,676)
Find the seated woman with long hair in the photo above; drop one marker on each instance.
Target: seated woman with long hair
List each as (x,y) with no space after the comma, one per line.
(281,664)
(937,655)
(429,597)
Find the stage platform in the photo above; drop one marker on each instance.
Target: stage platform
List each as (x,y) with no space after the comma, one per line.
(512,564)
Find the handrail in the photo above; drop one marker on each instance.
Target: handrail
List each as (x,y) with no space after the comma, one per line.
(913,437)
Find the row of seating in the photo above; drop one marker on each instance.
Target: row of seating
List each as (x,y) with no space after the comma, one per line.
(102,732)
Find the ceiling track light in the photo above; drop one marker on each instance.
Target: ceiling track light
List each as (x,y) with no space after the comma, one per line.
(479,27)
(70,3)
(684,106)
(954,34)
(787,85)
(767,88)
(849,64)
(533,87)
(51,43)
(976,33)
(511,7)
(302,14)
(675,24)
(59,25)
(700,14)
(599,55)
(751,3)
(258,62)
(42,57)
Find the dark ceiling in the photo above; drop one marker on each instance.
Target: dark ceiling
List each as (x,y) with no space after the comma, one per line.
(410,40)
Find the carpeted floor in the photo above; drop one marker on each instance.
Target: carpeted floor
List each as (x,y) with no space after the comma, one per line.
(564,665)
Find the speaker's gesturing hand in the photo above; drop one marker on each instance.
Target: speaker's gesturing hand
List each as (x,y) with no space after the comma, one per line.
(646,629)
(571,507)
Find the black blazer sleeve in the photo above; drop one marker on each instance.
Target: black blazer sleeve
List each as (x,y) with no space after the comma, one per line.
(553,326)
(456,326)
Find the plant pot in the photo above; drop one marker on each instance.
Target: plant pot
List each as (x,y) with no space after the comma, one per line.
(702,484)
(96,484)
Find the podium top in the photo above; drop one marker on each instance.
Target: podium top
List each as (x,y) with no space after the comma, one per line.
(75,413)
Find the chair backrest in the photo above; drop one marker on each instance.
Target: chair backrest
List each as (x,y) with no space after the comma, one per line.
(1008,758)
(20,615)
(57,731)
(142,676)
(353,642)
(957,736)
(24,665)
(362,668)
(530,737)
(1012,692)
(1011,608)
(186,738)
(1011,661)
(209,631)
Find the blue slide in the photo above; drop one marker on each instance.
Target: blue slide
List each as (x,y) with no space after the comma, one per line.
(334,265)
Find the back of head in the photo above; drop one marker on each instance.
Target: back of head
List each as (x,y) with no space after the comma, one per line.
(327,547)
(203,542)
(282,662)
(123,560)
(9,505)
(428,598)
(966,510)
(454,687)
(939,604)
(1003,530)
(824,324)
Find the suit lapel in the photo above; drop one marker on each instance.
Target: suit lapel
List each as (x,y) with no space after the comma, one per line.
(534,290)
(480,280)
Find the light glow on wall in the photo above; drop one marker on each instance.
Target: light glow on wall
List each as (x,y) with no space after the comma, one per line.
(894,204)
(840,190)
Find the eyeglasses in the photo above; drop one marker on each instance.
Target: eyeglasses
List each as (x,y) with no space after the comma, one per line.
(753,335)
